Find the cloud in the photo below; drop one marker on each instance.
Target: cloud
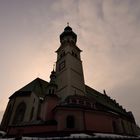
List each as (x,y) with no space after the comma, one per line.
(110,33)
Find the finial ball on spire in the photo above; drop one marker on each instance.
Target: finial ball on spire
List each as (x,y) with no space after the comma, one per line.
(54,67)
(67,23)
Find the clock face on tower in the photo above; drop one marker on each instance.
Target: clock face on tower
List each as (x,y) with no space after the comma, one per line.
(61,65)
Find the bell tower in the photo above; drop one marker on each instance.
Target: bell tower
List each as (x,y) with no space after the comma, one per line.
(69,70)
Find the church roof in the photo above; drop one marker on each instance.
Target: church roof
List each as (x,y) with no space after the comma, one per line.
(94,96)
(105,100)
(38,86)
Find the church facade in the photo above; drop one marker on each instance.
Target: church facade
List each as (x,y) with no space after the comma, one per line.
(65,104)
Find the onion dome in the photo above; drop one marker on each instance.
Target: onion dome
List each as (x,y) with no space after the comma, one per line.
(52,86)
(52,77)
(68,35)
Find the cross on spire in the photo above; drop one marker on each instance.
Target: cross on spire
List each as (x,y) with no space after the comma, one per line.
(67,23)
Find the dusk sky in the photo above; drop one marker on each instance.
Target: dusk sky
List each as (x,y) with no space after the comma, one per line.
(108,33)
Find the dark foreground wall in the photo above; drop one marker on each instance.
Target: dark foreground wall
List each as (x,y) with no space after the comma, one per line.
(80,138)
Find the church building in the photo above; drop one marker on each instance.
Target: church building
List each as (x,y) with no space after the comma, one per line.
(65,104)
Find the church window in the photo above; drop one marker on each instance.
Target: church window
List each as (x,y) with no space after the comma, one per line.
(68,101)
(81,102)
(123,126)
(94,106)
(20,113)
(34,100)
(70,122)
(74,54)
(114,126)
(7,116)
(62,53)
(61,65)
(32,113)
(74,101)
(88,104)
(49,91)
(52,91)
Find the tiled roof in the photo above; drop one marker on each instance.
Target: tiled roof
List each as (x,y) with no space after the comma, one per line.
(38,86)
(105,100)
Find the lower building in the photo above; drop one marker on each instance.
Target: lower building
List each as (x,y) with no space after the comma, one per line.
(65,104)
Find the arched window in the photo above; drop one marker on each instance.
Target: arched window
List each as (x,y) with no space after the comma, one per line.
(88,104)
(70,122)
(7,116)
(62,53)
(20,113)
(81,102)
(32,113)
(74,54)
(123,126)
(50,91)
(74,101)
(114,126)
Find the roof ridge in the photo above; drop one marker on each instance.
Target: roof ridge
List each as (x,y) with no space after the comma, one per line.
(40,85)
(37,85)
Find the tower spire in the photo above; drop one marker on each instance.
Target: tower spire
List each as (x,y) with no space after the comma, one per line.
(54,67)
